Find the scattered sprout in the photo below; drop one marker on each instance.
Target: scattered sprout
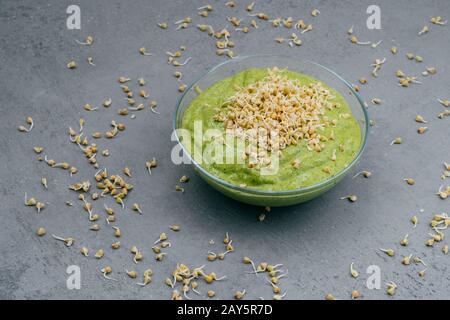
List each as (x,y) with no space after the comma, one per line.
(389,252)
(353,272)
(41,232)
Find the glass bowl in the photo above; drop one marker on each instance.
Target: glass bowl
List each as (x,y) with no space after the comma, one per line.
(274,198)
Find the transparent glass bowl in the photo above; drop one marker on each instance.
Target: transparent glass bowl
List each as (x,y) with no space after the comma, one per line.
(327,76)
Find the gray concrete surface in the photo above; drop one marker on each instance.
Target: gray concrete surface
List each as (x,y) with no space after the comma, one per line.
(315,241)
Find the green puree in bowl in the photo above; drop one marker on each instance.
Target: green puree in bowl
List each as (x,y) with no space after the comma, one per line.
(347,138)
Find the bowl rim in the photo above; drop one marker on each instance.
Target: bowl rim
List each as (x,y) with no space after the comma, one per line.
(313,187)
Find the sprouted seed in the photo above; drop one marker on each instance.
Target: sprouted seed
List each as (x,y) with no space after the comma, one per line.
(143,51)
(137,208)
(438,21)
(99,254)
(71,64)
(151,164)
(424,30)
(353,272)
(97,135)
(405,241)
(247,260)
(410,181)
(163,25)
(429,71)
(40,206)
(87,42)
(355,294)
(444,102)
(234,21)
(182,87)
(185,20)
(30,122)
(178,75)
(175,228)
(44,182)
(132,274)
(420,119)
(407,260)
(389,252)
(88,107)
(207,7)
(422,130)
(166,244)
(206,27)
(156,249)
(84,251)
(67,241)
(354,40)
(330,297)
(22,129)
(117,232)
(137,257)
(418,260)
(160,256)
(315,12)
(391,288)
(295,40)
(376,44)
(106,271)
(115,245)
(399,74)
(184,179)
(351,198)
(162,237)
(230,4)
(38,150)
(107,103)
(365,174)
(211,294)
(123,80)
(130,100)
(377,66)
(211,256)
(376,101)
(179,189)
(397,140)
(350,30)
(238,295)
(421,273)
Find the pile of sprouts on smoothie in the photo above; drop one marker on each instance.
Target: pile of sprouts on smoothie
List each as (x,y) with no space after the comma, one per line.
(277,104)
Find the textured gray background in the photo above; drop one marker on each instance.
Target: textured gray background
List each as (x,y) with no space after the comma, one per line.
(316,241)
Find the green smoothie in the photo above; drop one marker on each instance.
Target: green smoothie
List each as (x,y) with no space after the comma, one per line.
(299,165)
